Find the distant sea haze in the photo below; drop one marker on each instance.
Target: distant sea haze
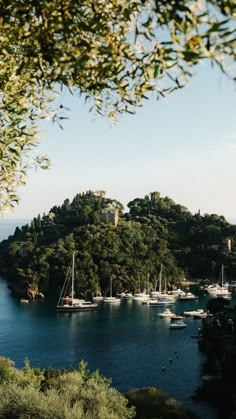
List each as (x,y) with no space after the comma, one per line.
(7,227)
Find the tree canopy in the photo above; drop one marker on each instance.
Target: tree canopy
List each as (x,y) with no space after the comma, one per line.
(111,52)
(156,231)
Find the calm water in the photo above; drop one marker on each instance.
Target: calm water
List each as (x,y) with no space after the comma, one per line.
(128,343)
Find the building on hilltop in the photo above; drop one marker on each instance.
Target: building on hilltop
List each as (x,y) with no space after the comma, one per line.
(155,196)
(100,193)
(110,214)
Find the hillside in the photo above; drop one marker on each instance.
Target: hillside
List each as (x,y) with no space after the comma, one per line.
(108,242)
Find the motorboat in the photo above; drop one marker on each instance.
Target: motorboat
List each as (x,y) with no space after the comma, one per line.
(161,302)
(199,313)
(98,298)
(188,296)
(166,313)
(177,317)
(177,324)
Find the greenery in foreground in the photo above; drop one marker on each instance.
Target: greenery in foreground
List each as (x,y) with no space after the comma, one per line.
(113,53)
(218,342)
(155,231)
(29,393)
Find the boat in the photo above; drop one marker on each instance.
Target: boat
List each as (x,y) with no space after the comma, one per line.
(111,299)
(160,302)
(199,313)
(177,292)
(126,295)
(67,302)
(188,296)
(166,313)
(178,324)
(219,290)
(202,315)
(177,317)
(141,296)
(98,298)
(162,293)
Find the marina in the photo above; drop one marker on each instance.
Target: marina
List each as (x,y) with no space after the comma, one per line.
(113,338)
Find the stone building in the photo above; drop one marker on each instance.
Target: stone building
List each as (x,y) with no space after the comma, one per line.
(110,214)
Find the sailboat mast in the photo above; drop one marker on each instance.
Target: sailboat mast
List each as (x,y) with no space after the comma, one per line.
(160,279)
(111,287)
(73,278)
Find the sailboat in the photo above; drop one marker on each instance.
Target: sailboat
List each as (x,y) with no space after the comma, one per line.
(110,299)
(161,298)
(67,303)
(220,290)
(142,296)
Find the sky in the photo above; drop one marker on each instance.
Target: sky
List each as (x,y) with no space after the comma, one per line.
(183,146)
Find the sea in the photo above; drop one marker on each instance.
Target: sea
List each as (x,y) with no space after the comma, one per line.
(128,343)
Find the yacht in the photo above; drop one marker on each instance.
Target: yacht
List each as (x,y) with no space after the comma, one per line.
(68,303)
(178,324)
(167,313)
(199,313)
(141,296)
(161,302)
(188,296)
(219,290)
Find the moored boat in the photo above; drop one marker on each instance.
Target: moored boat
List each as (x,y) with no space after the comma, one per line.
(166,313)
(110,299)
(178,324)
(188,296)
(199,313)
(68,303)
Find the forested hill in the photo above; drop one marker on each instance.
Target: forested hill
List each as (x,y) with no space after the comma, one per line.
(129,247)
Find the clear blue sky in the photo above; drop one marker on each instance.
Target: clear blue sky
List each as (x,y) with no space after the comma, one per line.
(184,147)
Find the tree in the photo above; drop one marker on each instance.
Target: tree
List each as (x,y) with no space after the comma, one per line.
(111,52)
(45,394)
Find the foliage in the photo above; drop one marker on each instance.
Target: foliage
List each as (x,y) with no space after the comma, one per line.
(72,394)
(218,342)
(113,53)
(217,305)
(24,377)
(151,402)
(38,255)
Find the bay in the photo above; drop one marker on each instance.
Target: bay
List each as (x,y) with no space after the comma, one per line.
(128,343)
